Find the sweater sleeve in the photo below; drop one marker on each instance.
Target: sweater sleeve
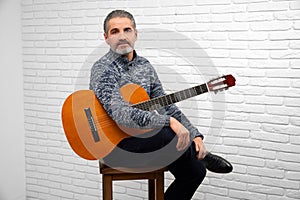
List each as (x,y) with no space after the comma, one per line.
(105,82)
(173,110)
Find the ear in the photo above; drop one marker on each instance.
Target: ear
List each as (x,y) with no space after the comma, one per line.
(106,38)
(136,35)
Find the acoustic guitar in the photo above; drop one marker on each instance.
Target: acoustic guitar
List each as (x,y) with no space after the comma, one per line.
(93,134)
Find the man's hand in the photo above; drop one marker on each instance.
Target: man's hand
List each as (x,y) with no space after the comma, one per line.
(200,148)
(182,133)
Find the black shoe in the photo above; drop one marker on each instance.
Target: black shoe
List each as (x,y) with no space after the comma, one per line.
(217,164)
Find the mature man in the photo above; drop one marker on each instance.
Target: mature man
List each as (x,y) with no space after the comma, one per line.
(120,66)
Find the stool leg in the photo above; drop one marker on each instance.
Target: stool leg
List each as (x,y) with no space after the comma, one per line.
(159,186)
(151,189)
(107,187)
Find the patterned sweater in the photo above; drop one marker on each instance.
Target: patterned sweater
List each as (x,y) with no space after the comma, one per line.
(113,71)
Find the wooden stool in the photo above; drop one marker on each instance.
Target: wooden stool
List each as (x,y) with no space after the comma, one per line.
(155,180)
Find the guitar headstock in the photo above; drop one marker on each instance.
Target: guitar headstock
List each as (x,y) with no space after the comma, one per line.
(221,83)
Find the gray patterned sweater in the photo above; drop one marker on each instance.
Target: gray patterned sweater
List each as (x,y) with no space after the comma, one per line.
(113,71)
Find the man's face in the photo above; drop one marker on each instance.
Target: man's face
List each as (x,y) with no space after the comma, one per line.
(121,35)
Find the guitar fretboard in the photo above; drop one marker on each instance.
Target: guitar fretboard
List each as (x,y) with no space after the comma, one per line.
(169,99)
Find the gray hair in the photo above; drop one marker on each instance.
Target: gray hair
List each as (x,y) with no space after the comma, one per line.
(118,13)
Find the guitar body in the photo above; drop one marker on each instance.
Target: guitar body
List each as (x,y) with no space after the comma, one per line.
(78,128)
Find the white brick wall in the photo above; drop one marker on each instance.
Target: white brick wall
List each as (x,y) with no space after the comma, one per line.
(255,125)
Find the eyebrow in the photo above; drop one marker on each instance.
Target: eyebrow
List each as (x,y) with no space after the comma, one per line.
(114,29)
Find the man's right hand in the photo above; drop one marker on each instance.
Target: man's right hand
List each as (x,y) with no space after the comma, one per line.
(182,133)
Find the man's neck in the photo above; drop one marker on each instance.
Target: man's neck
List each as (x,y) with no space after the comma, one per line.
(131,55)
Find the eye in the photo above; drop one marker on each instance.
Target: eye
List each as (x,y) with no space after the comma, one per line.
(128,30)
(113,31)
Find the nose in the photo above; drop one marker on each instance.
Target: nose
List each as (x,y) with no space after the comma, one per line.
(122,35)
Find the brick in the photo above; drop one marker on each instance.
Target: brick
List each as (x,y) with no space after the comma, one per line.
(293,193)
(287,111)
(237,26)
(294,5)
(253,54)
(295,139)
(218,36)
(45,15)
(228,9)
(265,172)
(243,142)
(217,191)
(290,130)
(280,183)
(285,54)
(216,2)
(285,35)
(37,188)
(253,17)
(283,73)
(273,6)
(294,44)
(246,195)
(269,45)
(222,183)
(248,1)
(27,2)
(271,26)
(192,26)
(248,108)
(268,119)
(270,82)
(86,196)
(229,45)
(188,10)
(291,15)
(295,63)
(272,137)
(248,36)
(265,189)
(61,193)
(296,25)
(216,197)
(169,3)
(242,178)
(279,164)
(284,149)
(271,64)
(292,176)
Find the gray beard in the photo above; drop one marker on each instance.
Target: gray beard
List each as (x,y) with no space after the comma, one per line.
(124,51)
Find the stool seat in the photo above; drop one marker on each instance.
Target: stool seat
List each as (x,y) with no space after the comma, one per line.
(154,176)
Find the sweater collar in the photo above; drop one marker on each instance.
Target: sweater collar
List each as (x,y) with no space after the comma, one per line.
(123,60)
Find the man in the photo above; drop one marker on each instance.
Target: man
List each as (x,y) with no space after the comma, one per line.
(120,66)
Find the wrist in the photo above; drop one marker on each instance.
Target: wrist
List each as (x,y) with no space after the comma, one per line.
(199,136)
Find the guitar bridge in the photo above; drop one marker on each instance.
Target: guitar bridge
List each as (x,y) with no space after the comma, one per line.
(92,125)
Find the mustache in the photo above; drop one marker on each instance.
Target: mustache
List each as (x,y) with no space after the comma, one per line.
(123,42)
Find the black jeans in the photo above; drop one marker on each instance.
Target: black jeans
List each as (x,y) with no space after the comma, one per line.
(159,149)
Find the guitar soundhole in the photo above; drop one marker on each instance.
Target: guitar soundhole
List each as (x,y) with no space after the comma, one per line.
(92,125)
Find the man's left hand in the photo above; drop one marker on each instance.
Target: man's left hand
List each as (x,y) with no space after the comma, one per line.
(200,148)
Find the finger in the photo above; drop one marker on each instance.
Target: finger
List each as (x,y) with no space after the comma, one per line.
(197,148)
(186,141)
(182,143)
(202,153)
(179,144)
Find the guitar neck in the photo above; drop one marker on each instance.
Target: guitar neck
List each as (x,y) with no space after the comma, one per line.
(169,99)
